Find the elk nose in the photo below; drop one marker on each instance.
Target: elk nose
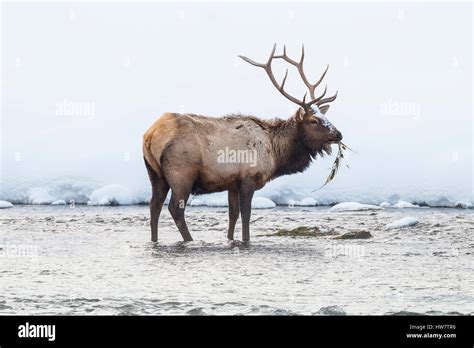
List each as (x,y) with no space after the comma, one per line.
(338,135)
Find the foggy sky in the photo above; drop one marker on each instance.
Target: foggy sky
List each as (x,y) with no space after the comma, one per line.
(403,72)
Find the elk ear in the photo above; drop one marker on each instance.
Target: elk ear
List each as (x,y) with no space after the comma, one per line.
(324,109)
(300,115)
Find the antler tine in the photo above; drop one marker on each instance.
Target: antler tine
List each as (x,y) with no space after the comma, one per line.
(284,80)
(322,77)
(250,61)
(272,55)
(327,100)
(302,55)
(261,65)
(322,95)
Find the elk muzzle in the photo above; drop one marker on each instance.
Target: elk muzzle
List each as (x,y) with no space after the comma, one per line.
(335,136)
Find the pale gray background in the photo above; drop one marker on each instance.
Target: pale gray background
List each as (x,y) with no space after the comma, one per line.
(135,61)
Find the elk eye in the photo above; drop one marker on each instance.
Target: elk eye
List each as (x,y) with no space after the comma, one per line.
(314,121)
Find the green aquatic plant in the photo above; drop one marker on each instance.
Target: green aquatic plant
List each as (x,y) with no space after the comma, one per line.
(302,231)
(337,163)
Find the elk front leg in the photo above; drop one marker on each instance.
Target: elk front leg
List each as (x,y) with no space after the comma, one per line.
(245,197)
(177,205)
(234,211)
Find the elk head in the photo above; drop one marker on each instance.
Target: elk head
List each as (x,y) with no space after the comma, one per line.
(316,131)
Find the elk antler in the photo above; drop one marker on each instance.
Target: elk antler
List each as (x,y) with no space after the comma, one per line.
(268,68)
(299,65)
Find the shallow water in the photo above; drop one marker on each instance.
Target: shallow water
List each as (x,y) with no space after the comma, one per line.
(99,260)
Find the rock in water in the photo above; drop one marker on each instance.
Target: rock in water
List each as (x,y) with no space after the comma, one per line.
(303,231)
(331,310)
(355,235)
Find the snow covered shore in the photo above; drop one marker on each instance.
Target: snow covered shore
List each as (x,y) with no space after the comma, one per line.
(91,193)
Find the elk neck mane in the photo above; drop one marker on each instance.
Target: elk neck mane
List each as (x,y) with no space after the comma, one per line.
(291,153)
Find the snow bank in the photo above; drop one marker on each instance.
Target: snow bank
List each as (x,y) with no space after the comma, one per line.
(262,203)
(59,202)
(213,200)
(85,190)
(39,195)
(404,222)
(42,191)
(464,205)
(220,200)
(5,204)
(404,204)
(305,202)
(281,195)
(112,195)
(354,206)
(400,205)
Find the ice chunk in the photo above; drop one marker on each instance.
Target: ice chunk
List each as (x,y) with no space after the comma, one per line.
(5,204)
(385,205)
(403,204)
(308,202)
(354,206)
(404,222)
(112,195)
(262,203)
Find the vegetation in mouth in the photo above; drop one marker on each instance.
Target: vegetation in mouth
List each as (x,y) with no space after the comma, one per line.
(336,164)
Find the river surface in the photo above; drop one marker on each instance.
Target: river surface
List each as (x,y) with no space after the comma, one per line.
(99,260)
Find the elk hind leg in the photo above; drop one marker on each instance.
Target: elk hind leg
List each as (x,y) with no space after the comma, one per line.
(159,189)
(177,205)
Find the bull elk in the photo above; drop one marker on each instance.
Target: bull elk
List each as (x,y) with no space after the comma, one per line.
(181,151)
